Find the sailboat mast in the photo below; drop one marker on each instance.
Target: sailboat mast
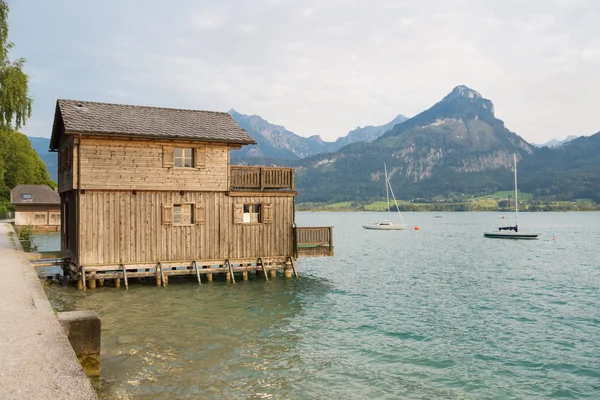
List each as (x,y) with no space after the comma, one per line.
(516,192)
(387,193)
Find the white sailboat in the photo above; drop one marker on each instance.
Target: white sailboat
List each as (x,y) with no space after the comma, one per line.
(512,232)
(388,225)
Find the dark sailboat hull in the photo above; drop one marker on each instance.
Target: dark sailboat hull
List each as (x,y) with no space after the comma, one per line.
(511,235)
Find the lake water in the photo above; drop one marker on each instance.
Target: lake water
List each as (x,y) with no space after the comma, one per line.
(440,312)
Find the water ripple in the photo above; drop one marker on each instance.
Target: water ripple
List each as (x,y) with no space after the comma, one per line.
(440,313)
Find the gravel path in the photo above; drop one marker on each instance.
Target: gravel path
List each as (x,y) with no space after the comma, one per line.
(36,359)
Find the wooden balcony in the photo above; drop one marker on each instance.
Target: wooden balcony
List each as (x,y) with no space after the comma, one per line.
(314,241)
(260,178)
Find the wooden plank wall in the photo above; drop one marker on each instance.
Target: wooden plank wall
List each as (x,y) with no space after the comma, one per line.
(125,164)
(67,176)
(69,222)
(120,227)
(30,216)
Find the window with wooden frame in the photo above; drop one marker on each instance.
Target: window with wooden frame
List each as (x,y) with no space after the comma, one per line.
(184,157)
(183,214)
(252,213)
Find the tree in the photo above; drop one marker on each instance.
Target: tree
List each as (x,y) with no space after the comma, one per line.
(19,162)
(15,104)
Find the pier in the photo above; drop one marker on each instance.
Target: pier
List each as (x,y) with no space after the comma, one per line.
(38,361)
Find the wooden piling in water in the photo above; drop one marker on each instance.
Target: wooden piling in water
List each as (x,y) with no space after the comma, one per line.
(94,275)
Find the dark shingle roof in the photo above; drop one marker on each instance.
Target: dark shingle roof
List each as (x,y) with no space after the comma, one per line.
(40,194)
(152,122)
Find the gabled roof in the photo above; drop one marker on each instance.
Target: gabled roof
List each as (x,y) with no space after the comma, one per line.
(33,194)
(145,122)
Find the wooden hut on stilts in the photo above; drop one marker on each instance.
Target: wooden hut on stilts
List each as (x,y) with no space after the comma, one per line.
(150,192)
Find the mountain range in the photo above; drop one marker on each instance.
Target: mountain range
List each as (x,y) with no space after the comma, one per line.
(457,147)
(556,142)
(42,147)
(274,141)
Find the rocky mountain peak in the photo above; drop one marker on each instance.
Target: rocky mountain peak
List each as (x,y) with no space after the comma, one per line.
(463,92)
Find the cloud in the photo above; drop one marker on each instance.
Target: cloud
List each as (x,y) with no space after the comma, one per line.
(322,67)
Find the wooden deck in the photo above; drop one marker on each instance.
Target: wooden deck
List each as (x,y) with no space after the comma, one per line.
(314,241)
(310,242)
(261,178)
(91,276)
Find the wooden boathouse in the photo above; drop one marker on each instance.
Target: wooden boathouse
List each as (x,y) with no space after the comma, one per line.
(150,192)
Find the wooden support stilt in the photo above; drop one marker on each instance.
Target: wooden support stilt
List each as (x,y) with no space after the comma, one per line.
(273,273)
(83,278)
(101,282)
(158,280)
(92,282)
(262,264)
(228,264)
(197,272)
(125,276)
(208,276)
(117,282)
(162,274)
(245,275)
(291,260)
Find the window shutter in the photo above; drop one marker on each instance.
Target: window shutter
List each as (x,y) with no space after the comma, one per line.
(168,156)
(167,213)
(200,158)
(199,214)
(267,213)
(238,213)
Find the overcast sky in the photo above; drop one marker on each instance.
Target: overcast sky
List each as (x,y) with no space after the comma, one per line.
(320,66)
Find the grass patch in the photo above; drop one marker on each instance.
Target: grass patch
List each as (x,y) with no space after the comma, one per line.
(506,194)
(338,206)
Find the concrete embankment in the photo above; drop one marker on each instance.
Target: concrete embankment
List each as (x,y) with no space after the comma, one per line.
(36,358)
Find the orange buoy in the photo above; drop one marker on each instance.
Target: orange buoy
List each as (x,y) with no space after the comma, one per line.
(417,228)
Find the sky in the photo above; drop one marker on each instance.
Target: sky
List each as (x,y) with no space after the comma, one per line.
(317,66)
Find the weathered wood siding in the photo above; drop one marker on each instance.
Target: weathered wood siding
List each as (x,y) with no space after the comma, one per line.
(67,160)
(145,165)
(120,227)
(68,231)
(37,215)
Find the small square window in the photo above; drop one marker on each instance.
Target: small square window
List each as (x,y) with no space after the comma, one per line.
(183,214)
(183,157)
(251,214)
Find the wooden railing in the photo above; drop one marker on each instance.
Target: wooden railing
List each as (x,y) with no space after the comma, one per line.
(314,241)
(261,178)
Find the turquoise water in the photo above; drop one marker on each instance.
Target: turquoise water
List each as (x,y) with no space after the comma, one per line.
(437,313)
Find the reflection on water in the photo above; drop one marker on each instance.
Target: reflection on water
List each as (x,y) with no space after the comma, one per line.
(437,313)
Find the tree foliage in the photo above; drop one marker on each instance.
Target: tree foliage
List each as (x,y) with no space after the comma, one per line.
(15,103)
(19,162)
